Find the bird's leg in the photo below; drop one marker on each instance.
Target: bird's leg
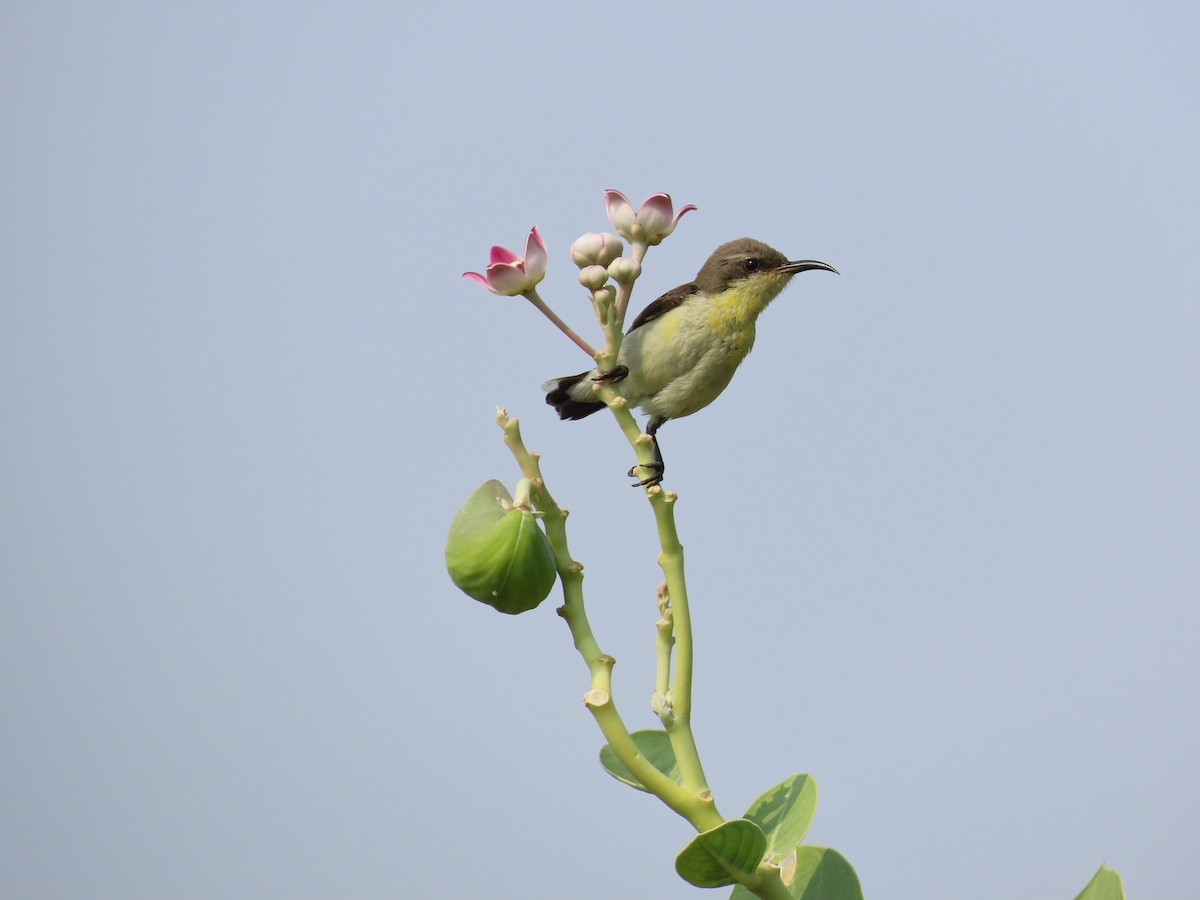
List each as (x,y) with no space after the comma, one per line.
(658,467)
(612,376)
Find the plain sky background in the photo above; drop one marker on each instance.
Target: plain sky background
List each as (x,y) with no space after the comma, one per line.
(943,530)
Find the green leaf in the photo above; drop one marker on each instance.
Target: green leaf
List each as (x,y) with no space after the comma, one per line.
(715,856)
(784,814)
(1105,885)
(653,744)
(819,874)
(824,874)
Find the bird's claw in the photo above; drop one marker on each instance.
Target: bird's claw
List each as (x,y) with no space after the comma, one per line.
(655,477)
(613,375)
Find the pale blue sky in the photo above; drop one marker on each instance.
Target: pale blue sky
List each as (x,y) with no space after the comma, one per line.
(943,528)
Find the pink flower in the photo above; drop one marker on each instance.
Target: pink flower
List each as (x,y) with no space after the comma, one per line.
(650,224)
(508,274)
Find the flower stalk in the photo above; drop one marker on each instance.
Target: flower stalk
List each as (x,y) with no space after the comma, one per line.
(510,275)
(532,296)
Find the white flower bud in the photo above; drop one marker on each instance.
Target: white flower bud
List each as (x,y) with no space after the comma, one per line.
(593,277)
(596,249)
(624,270)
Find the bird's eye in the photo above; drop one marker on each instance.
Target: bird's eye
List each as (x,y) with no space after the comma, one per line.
(751,265)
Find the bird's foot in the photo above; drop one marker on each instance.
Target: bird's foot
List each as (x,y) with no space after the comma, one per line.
(655,477)
(612,376)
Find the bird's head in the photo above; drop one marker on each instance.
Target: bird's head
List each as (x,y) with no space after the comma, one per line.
(757,271)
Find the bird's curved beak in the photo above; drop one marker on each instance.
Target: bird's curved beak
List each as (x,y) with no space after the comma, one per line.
(804,265)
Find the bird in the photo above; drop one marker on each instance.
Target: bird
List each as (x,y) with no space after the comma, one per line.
(681,351)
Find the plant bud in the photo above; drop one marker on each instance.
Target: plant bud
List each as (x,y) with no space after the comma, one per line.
(593,277)
(623,270)
(604,300)
(497,552)
(596,249)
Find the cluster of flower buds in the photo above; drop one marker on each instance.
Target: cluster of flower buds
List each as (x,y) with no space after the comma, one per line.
(598,255)
(593,253)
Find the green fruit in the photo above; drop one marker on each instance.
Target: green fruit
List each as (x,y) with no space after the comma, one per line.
(497,552)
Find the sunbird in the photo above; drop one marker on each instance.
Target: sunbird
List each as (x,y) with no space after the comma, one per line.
(681,351)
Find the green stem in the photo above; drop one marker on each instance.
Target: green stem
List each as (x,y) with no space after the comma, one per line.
(694,805)
(642,445)
(664,641)
(671,560)
(768,885)
(626,291)
(614,329)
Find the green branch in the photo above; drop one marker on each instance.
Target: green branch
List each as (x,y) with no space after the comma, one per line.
(692,802)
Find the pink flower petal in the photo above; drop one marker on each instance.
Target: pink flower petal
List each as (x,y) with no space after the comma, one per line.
(480,279)
(502,255)
(679,215)
(536,258)
(655,214)
(507,279)
(620,212)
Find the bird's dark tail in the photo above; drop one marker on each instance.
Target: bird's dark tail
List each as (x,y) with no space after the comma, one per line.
(562,394)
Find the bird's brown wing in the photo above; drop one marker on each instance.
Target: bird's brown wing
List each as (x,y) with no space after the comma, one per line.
(664,304)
